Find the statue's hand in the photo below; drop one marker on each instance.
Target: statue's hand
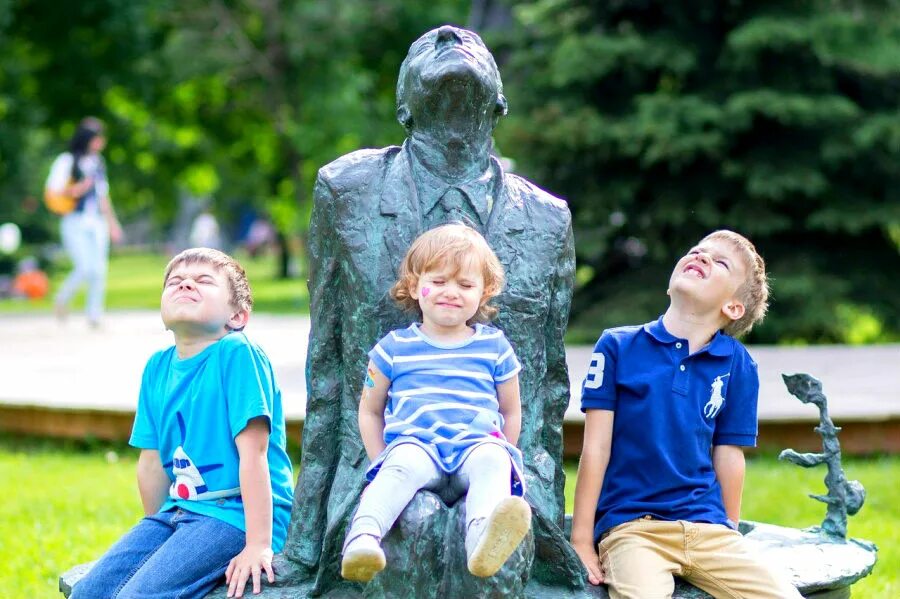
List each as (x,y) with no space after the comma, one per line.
(591,562)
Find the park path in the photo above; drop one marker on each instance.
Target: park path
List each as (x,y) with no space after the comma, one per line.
(48,364)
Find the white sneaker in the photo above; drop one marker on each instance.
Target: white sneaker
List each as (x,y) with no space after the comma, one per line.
(498,536)
(363,559)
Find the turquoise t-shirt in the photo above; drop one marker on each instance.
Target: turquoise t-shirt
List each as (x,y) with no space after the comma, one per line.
(191,411)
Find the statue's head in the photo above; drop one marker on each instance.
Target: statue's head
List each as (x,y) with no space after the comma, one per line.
(449,68)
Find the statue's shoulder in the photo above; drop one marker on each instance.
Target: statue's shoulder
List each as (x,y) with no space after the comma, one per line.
(542,204)
(357,168)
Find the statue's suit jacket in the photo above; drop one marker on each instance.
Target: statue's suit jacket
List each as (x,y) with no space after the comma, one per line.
(365,216)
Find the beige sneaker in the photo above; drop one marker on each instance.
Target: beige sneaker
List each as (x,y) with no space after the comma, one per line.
(363,559)
(499,536)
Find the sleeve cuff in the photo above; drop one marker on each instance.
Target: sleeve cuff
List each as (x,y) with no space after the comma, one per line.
(241,425)
(597,403)
(381,360)
(142,442)
(505,377)
(742,440)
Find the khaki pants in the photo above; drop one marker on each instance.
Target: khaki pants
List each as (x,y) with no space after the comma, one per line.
(640,558)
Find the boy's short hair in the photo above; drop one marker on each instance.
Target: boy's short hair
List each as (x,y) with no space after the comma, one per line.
(754,291)
(241,297)
(454,245)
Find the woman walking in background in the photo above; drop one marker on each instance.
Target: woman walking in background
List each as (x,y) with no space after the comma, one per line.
(88,228)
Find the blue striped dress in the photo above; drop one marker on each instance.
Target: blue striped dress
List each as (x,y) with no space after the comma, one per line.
(443,397)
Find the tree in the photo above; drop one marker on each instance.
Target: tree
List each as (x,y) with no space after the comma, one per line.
(662,121)
(240,102)
(272,90)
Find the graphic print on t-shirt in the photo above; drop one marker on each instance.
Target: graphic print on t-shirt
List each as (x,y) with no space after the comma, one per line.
(716,399)
(189,482)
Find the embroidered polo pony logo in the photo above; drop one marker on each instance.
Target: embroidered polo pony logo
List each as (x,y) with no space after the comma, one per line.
(716,399)
(189,482)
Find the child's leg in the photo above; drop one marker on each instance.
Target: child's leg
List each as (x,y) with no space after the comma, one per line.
(722,564)
(496,523)
(405,470)
(640,558)
(122,560)
(190,563)
(485,475)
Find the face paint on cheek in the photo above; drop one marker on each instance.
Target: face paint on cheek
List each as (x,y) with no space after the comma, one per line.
(426,291)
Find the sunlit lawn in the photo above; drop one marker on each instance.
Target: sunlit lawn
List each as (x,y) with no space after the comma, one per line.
(65,504)
(135,282)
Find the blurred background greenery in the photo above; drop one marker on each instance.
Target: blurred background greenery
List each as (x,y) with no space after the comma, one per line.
(657,121)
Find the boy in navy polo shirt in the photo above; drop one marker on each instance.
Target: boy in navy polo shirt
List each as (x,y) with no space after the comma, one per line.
(668,406)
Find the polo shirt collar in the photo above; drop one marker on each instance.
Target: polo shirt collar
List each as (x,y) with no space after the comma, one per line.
(721,344)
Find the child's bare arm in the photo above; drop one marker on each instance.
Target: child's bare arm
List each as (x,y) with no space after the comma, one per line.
(256,494)
(153,483)
(729,464)
(371,411)
(598,426)
(510,408)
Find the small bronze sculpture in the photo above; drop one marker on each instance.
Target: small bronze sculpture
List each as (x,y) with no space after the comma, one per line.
(844,496)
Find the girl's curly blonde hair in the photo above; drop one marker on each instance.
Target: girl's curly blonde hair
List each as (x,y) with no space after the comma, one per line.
(453,247)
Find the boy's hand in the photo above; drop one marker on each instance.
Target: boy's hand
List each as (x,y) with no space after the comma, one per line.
(249,562)
(591,561)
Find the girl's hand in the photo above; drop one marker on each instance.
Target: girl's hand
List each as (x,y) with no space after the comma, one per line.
(249,562)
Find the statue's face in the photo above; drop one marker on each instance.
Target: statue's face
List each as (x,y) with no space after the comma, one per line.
(450,59)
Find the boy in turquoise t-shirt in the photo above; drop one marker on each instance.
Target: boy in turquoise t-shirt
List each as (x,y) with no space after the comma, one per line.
(213,475)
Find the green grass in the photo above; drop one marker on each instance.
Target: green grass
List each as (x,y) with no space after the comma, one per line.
(135,283)
(67,502)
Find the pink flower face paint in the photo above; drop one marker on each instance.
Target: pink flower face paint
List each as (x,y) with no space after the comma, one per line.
(426,291)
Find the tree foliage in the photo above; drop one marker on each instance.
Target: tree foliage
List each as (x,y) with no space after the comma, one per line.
(661,121)
(240,102)
(658,121)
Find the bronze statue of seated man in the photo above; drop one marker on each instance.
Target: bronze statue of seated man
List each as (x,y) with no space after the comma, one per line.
(369,206)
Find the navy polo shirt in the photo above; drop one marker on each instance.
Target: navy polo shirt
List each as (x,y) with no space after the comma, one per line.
(670,409)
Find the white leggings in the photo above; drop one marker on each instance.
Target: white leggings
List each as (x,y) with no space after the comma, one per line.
(484,477)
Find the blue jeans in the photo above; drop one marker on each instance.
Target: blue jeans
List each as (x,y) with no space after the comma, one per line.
(169,555)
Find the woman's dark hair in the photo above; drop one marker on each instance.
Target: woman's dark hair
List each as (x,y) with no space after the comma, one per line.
(89,128)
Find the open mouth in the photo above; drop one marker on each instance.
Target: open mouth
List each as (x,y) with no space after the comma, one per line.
(695,270)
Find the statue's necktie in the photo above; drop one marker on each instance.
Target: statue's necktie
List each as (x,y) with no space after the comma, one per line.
(454,206)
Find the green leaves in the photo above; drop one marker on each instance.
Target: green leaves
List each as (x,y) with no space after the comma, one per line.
(660,122)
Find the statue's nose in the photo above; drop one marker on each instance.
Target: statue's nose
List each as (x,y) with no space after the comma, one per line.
(447,35)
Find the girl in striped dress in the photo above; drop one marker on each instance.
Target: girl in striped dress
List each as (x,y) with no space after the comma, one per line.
(440,408)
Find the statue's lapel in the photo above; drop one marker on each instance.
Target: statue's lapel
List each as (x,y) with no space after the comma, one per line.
(507,220)
(399,205)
